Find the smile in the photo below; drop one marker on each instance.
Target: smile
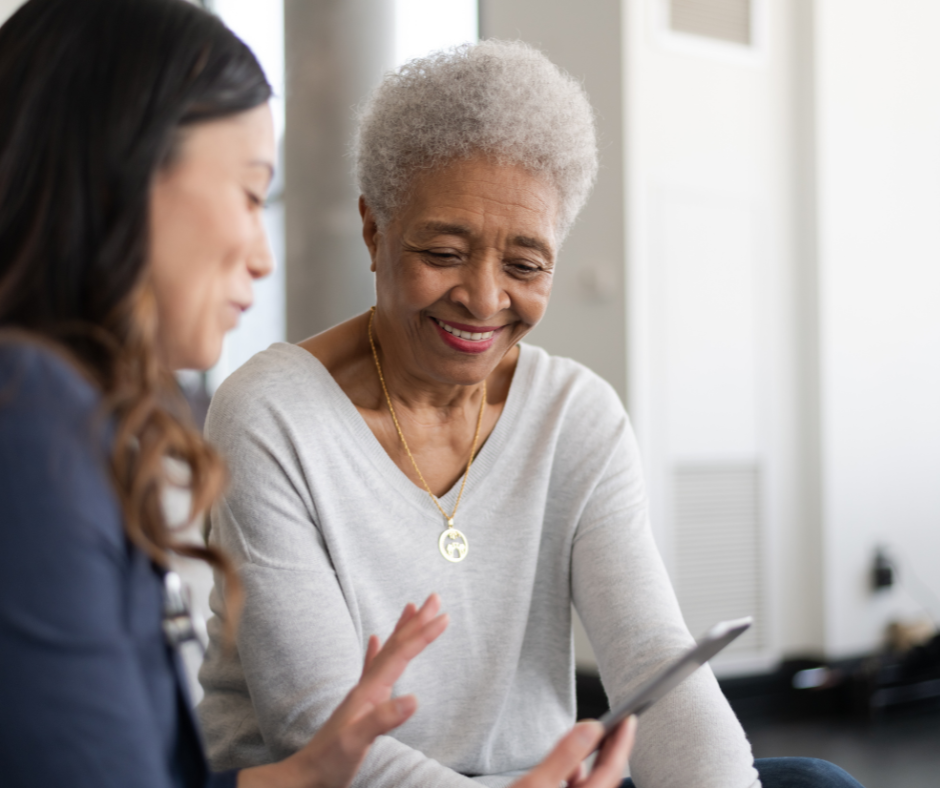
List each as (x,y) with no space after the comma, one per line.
(477,336)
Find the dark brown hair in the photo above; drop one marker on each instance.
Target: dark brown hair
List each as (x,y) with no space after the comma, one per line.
(95,95)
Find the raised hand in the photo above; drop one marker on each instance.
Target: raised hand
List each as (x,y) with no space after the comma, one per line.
(335,753)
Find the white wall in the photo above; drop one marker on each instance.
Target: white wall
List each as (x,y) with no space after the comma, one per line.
(712,376)
(424,26)
(261,26)
(878,116)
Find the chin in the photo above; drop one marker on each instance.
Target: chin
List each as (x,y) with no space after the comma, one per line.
(209,359)
(201,360)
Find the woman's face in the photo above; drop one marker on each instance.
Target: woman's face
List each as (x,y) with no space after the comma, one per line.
(464,270)
(207,240)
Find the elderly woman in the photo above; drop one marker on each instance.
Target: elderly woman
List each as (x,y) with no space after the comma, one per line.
(420,446)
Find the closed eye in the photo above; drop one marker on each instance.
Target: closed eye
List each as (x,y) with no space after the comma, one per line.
(444,257)
(525,269)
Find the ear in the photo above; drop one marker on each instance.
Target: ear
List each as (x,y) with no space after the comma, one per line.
(370,230)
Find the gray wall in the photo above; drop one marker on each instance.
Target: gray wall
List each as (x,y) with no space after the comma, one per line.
(336,52)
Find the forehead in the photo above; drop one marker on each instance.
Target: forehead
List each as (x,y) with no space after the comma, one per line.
(484,197)
(242,140)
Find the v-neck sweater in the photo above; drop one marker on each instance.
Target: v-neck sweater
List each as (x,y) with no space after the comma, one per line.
(332,539)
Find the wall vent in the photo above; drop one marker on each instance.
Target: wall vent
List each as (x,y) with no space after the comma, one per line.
(726,20)
(718,550)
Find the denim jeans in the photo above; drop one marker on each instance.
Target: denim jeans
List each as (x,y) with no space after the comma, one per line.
(796,773)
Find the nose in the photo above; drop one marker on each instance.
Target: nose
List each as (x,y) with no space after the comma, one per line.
(481,290)
(260,260)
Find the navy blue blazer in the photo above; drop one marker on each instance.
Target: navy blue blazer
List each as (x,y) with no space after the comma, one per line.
(90,694)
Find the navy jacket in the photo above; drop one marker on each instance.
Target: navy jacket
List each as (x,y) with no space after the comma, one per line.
(90,694)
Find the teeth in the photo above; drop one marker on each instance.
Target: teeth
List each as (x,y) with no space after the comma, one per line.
(473,337)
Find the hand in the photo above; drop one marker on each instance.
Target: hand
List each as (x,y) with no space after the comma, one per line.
(334,754)
(565,764)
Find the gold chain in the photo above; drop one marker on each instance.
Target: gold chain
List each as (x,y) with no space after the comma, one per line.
(473,449)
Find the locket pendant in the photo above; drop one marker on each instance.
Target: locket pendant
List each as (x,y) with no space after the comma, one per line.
(453,544)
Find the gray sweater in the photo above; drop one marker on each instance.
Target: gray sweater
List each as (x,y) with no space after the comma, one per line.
(332,540)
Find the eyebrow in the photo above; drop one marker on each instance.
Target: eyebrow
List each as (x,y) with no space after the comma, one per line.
(528,242)
(525,241)
(446,228)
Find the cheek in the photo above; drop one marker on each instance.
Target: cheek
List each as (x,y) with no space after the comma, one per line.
(412,283)
(531,299)
(192,271)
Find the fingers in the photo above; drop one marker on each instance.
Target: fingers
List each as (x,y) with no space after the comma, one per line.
(367,711)
(415,630)
(612,759)
(406,614)
(371,650)
(577,776)
(408,640)
(375,644)
(562,762)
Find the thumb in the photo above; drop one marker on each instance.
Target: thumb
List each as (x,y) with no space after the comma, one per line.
(561,762)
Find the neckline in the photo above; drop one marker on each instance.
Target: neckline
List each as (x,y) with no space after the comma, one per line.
(487,455)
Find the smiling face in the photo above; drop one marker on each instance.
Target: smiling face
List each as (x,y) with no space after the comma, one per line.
(464,270)
(207,239)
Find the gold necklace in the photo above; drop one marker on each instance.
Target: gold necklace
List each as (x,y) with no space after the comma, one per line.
(452,543)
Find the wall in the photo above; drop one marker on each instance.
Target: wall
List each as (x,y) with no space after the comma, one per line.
(336,51)
(878,121)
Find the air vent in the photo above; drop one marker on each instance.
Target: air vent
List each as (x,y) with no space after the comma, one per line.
(725,20)
(718,566)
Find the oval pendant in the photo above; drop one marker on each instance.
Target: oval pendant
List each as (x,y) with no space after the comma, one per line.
(453,545)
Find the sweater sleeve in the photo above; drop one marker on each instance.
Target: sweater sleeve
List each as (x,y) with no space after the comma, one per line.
(76,710)
(298,646)
(624,597)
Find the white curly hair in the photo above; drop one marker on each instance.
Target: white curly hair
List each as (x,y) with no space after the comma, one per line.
(502,99)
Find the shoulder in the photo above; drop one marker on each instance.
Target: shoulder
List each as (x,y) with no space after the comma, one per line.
(569,388)
(36,378)
(284,382)
(560,402)
(272,375)
(53,447)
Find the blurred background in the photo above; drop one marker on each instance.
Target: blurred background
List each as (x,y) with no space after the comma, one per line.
(757,273)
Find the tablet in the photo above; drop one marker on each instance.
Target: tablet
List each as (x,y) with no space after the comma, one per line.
(672,676)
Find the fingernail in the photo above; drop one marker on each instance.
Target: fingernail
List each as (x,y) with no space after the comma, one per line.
(405,704)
